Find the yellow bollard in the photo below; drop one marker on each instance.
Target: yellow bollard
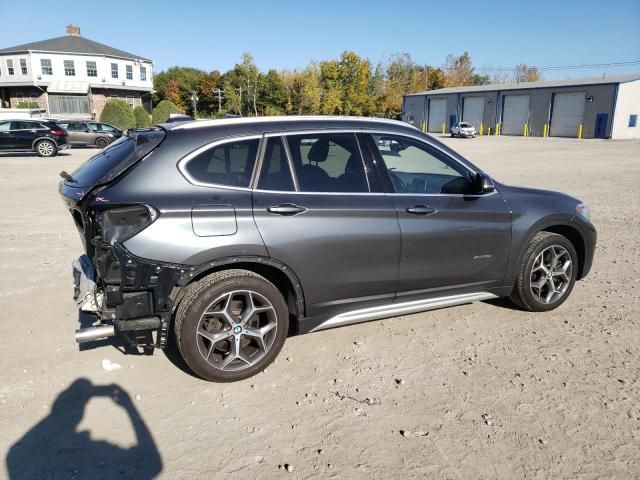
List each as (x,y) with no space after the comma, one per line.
(424,127)
(544,131)
(525,130)
(481,128)
(489,131)
(497,129)
(443,128)
(580,131)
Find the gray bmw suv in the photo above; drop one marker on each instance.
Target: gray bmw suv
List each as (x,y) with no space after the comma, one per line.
(230,235)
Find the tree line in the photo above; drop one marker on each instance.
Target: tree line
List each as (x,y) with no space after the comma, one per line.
(349,85)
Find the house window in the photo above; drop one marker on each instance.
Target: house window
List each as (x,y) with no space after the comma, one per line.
(33,98)
(114,70)
(10,70)
(143,73)
(129,72)
(19,98)
(45,65)
(131,101)
(69,68)
(633,120)
(92,70)
(23,66)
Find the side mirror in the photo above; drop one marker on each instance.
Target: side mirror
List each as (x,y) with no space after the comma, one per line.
(484,184)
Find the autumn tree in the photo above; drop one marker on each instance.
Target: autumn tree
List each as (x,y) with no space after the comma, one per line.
(458,71)
(526,73)
(181,83)
(208,99)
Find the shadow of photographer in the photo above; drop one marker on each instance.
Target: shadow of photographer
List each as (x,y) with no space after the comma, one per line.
(54,448)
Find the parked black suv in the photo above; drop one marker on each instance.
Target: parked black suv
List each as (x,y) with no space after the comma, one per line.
(44,137)
(90,133)
(232,234)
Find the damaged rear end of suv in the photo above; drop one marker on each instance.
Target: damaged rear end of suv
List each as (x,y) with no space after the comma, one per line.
(126,294)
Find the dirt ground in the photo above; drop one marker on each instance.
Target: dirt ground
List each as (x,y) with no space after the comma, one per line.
(476,391)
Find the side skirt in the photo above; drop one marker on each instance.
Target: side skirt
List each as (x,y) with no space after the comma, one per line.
(405,308)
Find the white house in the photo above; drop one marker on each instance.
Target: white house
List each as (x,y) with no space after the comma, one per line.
(72,76)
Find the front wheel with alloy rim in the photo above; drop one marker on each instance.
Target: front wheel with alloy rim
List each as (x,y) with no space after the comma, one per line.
(547,273)
(230,325)
(46,148)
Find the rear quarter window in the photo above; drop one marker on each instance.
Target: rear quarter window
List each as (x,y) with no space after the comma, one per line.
(229,164)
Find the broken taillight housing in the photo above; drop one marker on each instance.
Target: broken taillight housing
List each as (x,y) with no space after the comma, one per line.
(120,223)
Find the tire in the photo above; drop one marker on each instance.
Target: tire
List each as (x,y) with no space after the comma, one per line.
(201,338)
(46,148)
(102,142)
(452,135)
(535,289)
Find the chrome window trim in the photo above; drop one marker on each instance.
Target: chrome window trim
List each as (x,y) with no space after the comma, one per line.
(182,163)
(261,150)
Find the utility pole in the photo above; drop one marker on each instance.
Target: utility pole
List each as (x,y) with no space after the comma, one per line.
(219,92)
(194,102)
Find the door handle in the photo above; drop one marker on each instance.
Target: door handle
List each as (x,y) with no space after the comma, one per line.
(421,210)
(286,209)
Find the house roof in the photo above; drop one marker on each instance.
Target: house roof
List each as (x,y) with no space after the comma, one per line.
(542,84)
(72,44)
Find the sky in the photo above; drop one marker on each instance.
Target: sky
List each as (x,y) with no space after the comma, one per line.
(212,35)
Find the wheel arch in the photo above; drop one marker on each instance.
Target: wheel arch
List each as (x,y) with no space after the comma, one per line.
(560,226)
(279,274)
(33,144)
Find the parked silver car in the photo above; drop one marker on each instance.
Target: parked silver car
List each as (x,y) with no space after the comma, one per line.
(463,129)
(89,133)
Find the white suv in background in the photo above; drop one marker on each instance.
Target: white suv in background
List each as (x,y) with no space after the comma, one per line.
(463,129)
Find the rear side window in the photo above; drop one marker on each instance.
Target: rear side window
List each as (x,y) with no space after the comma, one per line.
(117,157)
(328,162)
(229,164)
(275,174)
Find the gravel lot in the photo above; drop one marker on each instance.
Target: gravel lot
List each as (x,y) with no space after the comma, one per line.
(477,391)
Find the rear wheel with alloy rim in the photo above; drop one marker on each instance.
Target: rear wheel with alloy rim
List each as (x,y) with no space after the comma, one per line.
(231,325)
(102,142)
(46,148)
(547,273)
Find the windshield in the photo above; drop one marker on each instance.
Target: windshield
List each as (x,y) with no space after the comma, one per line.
(117,157)
(465,125)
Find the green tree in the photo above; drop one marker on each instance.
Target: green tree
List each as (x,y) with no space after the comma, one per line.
(354,74)
(142,117)
(163,110)
(272,94)
(119,114)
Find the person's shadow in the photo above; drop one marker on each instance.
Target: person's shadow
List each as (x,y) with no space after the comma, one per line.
(55,449)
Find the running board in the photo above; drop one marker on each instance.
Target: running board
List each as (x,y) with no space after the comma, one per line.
(405,308)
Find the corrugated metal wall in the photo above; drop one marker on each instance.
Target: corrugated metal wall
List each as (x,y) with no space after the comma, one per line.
(627,104)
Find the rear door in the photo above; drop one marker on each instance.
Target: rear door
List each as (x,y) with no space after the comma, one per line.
(23,134)
(452,238)
(6,139)
(79,134)
(321,211)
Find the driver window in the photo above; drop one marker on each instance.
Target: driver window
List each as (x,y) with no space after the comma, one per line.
(415,167)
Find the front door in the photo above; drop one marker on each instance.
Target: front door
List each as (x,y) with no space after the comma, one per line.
(452,238)
(342,241)
(79,134)
(601,125)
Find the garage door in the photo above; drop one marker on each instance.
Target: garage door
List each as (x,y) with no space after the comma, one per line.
(515,113)
(567,114)
(473,111)
(437,114)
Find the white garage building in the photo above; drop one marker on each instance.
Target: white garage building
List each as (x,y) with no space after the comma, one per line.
(603,107)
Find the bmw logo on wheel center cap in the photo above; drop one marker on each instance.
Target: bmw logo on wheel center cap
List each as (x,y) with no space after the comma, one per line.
(237,329)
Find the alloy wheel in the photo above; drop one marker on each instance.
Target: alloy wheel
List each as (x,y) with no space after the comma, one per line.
(45,148)
(236,330)
(551,274)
